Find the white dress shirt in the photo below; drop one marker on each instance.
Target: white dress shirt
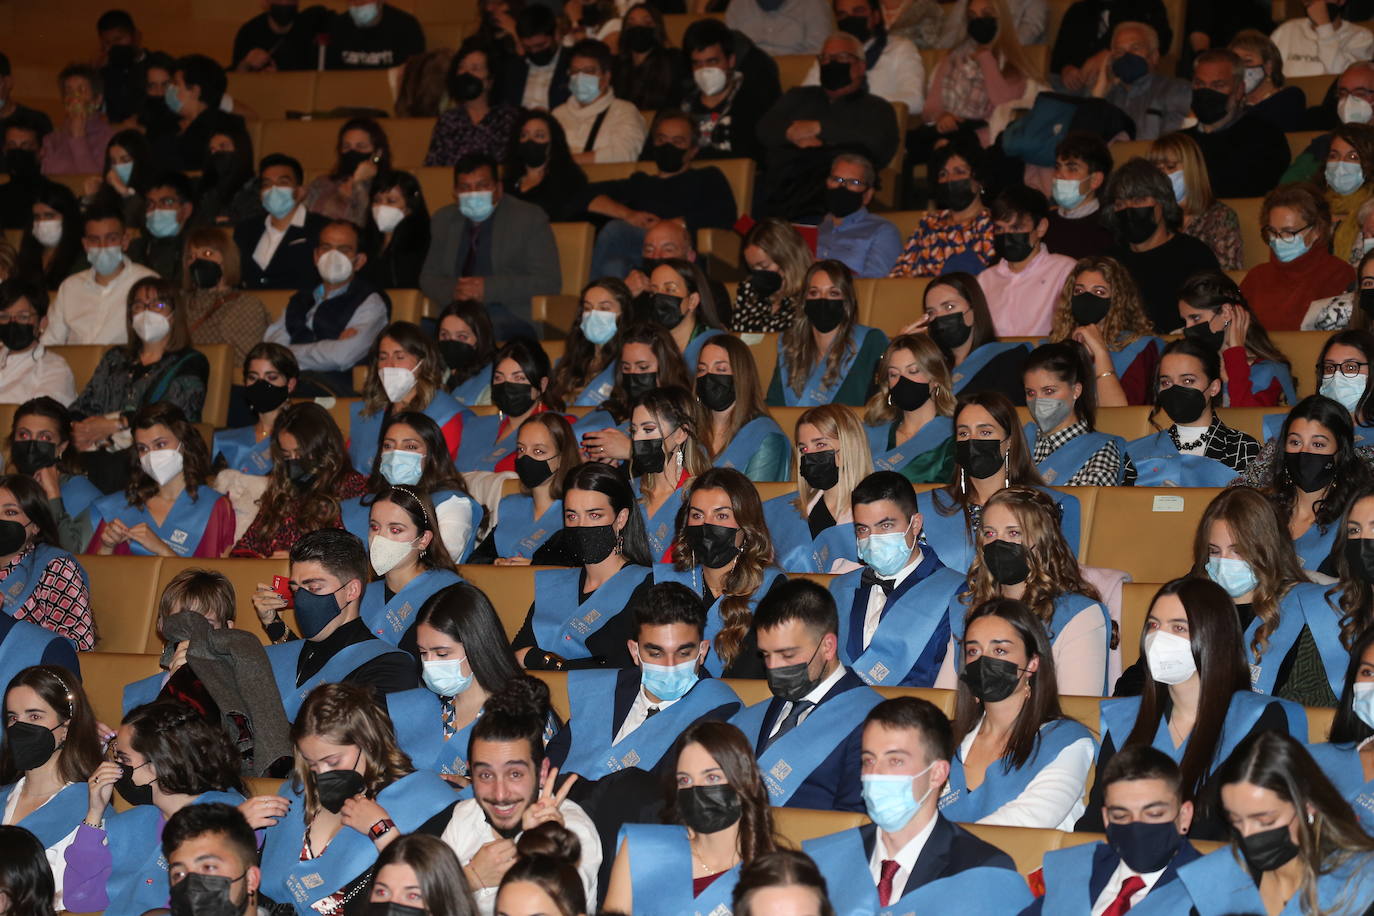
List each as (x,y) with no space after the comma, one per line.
(538,81)
(468,831)
(34,372)
(1118,878)
(1053,799)
(270,240)
(639,712)
(817,694)
(334,355)
(877,599)
(56,854)
(622,133)
(87,312)
(905,857)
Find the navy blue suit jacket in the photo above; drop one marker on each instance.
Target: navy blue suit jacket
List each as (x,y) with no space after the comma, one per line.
(949,850)
(834,785)
(1105,861)
(293,263)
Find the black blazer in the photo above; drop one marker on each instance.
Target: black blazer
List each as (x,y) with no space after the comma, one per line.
(518,70)
(293,263)
(949,850)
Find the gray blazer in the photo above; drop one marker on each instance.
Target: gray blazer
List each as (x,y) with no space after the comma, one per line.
(523,253)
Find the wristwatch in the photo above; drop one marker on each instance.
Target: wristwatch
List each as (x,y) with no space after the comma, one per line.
(381,828)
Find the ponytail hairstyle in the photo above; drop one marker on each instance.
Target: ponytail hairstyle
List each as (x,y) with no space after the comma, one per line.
(548,857)
(1070,362)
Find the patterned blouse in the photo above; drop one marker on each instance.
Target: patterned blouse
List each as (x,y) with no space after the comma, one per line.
(1219,229)
(754,313)
(124,385)
(325,196)
(1100,470)
(938,238)
(232,317)
(455,136)
(60,602)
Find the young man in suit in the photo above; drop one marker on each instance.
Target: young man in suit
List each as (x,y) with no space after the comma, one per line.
(911,858)
(278,251)
(807,737)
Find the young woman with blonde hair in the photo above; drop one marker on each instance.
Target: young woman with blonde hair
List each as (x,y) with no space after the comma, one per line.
(908,419)
(1205,217)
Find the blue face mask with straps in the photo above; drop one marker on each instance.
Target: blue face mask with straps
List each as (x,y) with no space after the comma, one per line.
(1291,249)
(1344,391)
(163,224)
(1235,576)
(1344,177)
(889,801)
(476,205)
(445,677)
(401,468)
(125,171)
(885,553)
(1068,193)
(279,201)
(598,325)
(668,682)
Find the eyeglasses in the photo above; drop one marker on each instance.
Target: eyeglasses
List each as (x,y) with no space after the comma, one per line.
(1350,368)
(853,184)
(24,318)
(1269,233)
(162,308)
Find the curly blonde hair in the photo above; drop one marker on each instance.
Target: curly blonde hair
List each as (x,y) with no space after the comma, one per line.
(1126,320)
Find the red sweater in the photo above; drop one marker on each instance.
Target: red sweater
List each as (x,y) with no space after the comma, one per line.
(1280,293)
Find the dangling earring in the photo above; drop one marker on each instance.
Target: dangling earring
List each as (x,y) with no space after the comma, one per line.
(680,450)
(889,398)
(619,542)
(963,487)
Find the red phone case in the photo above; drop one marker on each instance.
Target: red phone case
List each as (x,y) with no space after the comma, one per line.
(282,586)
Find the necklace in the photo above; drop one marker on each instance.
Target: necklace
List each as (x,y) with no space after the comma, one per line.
(1201,442)
(702,867)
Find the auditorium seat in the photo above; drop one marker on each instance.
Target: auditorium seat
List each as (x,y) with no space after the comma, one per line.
(263,785)
(7,412)
(1314,87)
(904,220)
(510,588)
(313,143)
(798,824)
(1249,419)
(1135,608)
(1254,249)
(1026,845)
(83,358)
(221,360)
(765,350)
(558,691)
(339,410)
(406,305)
(1146,531)
(792,69)
(555,314)
(574,242)
(1124,151)
(436,183)
(243,573)
(892,303)
(354,89)
(409,139)
(676,24)
(272,95)
(1319,719)
(275,301)
(124,597)
(104,674)
(1303,349)
(1299,140)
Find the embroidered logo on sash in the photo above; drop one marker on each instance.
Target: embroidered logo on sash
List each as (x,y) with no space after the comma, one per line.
(631,759)
(179,536)
(584,623)
(822,558)
(1255,671)
(892,462)
(15,589)
(720,910)
(1049,474)
(948,797)
(400,618)
(878,673)
(312,880)
(533,541)
(781,770)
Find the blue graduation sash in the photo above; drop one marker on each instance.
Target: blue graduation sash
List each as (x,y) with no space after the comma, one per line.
(1263,374)
(597,420)
(1159,463)
(600,387)
(788,761)
(664,572)
(284,657)
(980,891)
(77,493)
(978,360)
(813,393)
(910,620)
(594,754)
(389,620)
(1219,884)
(138,877)
(1123,358)
(1341,764)
(1066,608)
(747,443)
(242,450)
(16,587)
(662,525)
(1315,546)
(960,803)
(56,817)
(25,644)
(794,550)
(556,591)
(928,437)
(418,717)
(1117,717)
(1304,605)
(144,690)
(181,530)
(410,801)
(1060,465)
(519,533)
(365,430)
(470,393)
(480,449)
(954,542)
(661,874)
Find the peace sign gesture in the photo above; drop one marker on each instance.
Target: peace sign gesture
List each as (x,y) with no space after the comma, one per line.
(546,806)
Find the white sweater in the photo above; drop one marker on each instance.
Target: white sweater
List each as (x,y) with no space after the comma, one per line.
(622,133)
(1310,50)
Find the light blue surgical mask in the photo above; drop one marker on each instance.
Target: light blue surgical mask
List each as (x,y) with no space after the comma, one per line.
(585,87)
(1362,701)
(1068,193)
(668,682)
(889,801)
(1180,188)
(401,468)
(445,676)
(125,171)
(163,224)
(363,16)
(1235,576)
(598,325)
(279,201)
(172,99)
(1289,250)
(105,259)
(1344,177)
(885,553)
(1344,391)
(476,205)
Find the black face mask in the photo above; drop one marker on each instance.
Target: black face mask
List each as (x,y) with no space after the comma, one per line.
(1202,333)
(819,470)
(908,394)
(666,310)
(392,908)
(590,545)
(30,745)
(647,457)
(22,164)
(464,87)
(532,153)
(1309,471)
(131,793)
(638,384)
(1367,301)
(206,273)
(1359,556)
(1184,405)
(31,455)
(1006,561)
(542,58)
(349,161)
(264,397)
(708,809)
(712,545)
(639,38)
(283,14)
(532,471)
(825,315)
(1012,247)
(121,57)
(1089,308)
(1145,847)
(982,29)
(856,26)
(334,787)
(954,195)
(17,335)
(205,895)
(1137,223)
(950,331)
(768,282)
(991,680)
(1209,105)
(457,354)
(792,682)
(980,458)
(716,391)
(514,399)
(669,158)
(841,202)
(1268,850)
(12,537)
(835,75)
(298,473)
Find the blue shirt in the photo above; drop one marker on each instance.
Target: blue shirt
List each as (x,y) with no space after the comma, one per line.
(868,245)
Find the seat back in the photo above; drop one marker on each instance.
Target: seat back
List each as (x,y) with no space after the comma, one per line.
(354,89)
(104,676)
(272,95)
(221,359)
(1303,349)
(1319,719)
(314,143)
(1135,608)
(406,305)
(1126,150)
(123,601)
(510,590)
(82,358)
(1249,419)
(894,303)
(1160,520)
(436,181)
(799,824)
(244,574)
(1254,251)
(765,350)
(1026,845)
(905,221)
(792,69)
(275,301)
(1314,87)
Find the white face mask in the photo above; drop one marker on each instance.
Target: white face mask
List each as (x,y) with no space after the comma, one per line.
(1170,657)
(1362,701)
(397,382)
(1354,110)
(387,217)
(387,554)
(48,232)
(710,80)
(161,464)
(151,326)
(334,267)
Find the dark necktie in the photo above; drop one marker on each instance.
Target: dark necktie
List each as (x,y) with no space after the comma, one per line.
(650,713)
(1122,903)
(469,267)
(793,719)
(889,871)
(869,578)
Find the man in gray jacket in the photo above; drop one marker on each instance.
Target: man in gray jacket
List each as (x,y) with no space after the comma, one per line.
(496,249)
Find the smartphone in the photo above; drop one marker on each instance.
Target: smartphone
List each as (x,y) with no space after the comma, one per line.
(282,586)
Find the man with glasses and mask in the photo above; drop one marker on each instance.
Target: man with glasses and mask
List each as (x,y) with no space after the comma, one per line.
(91,306)
(27,368)
(329,570)
(1246,153)
(212,862)
(807,737)
(865,243)
(912,857)
(162,246)
(1353,103)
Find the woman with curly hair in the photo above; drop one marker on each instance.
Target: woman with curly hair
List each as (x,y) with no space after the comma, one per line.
(1101,309)
(1352,596)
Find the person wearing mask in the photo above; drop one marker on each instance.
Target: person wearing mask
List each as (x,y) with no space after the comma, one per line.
(669,239)
(44,584)
(957,236)
(1196,448)
(167,508)
(766,300)
(10,107)
(411,560)
(1266,91)
(1351,104)
(682,300)
(807,735)
(40,445)
(1062,398)
(888,634)
(1348,159)
(539,168)
(467,346)
(217,310)
(586,373)
(477,123)
(204,845)
(82,311)
(648,358)
(197,100)
(398,227)
(372,36)
(494,248)
(1146,817)
(956,318)
(1082,165)
(520,377)
(1099,307)
(1083,43)
(419,872)
(164,757)
(648,73)
(911,857)
(1019,761)
(1215,314)
(51,250)
(270,373)
(667,454)
(278,251)
(1246,154)
(545,453)
(728,96)
(22,139)
(1130,79)
(1321,41)
(867,244)
(895,68)
(52,746)
(169,208)
(345,192)
(1343,755)
(1142,212)
(27,368)
(1296,222)
(537,79)
(1205,218)
(599,126)
(281,38)
(1025,282)
(908,418)
(1344,379)
(813,528)
(738,432)
(125,64)
(788,27)
(77,146)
